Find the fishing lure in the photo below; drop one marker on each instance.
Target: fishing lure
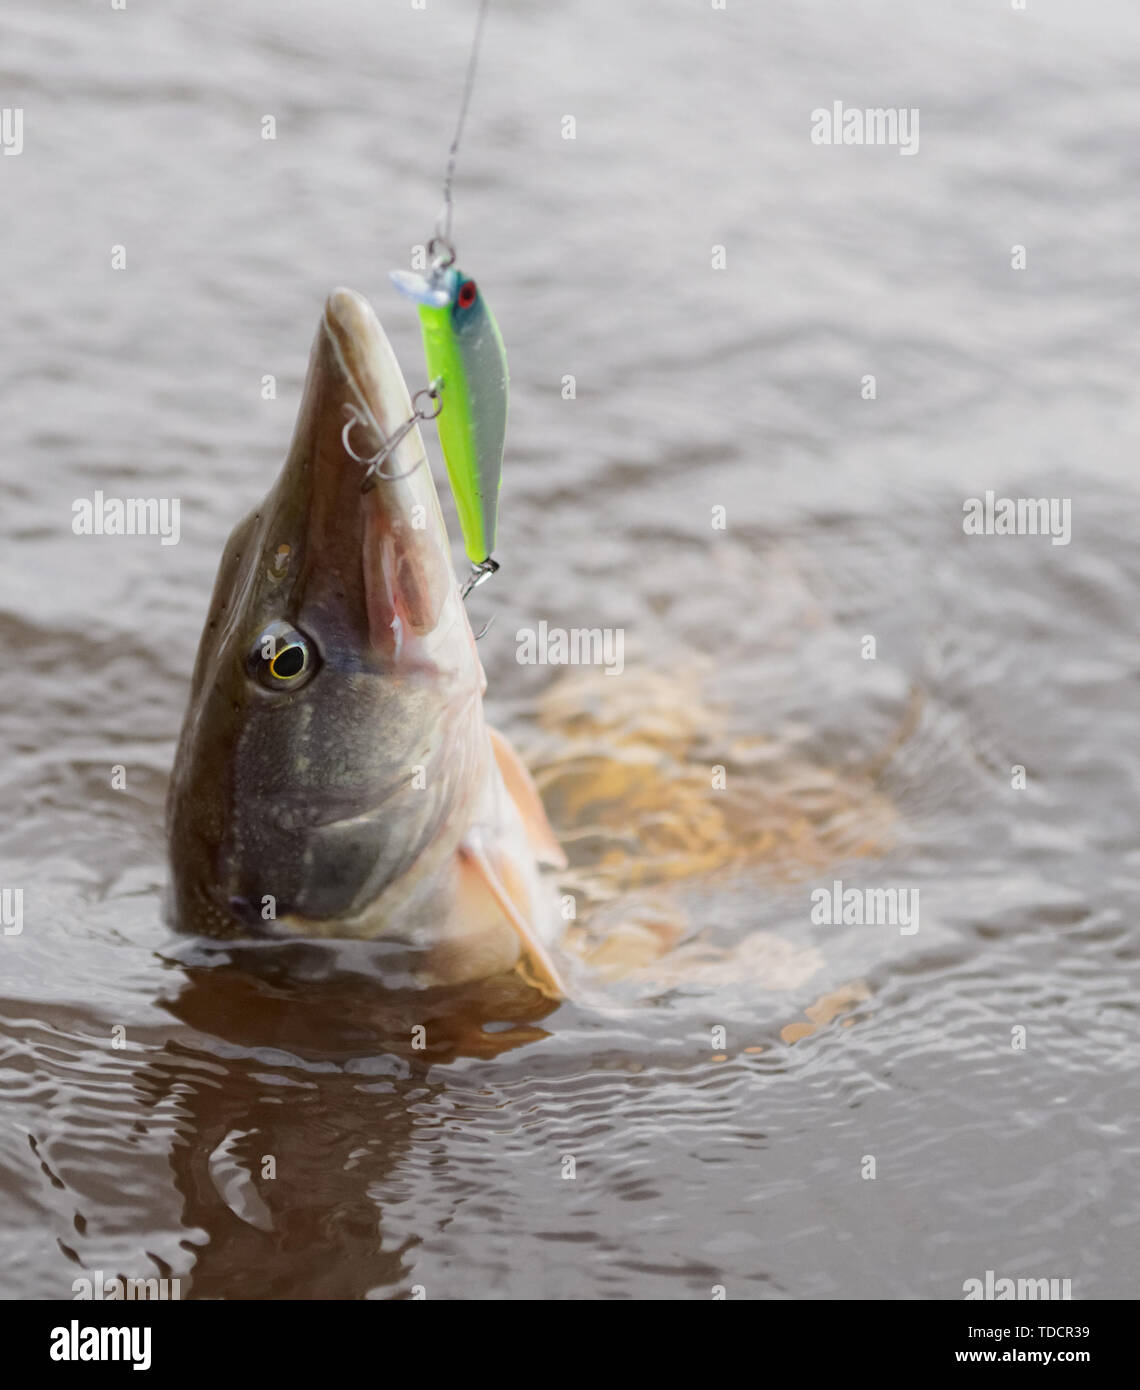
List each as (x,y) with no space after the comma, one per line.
(467,368)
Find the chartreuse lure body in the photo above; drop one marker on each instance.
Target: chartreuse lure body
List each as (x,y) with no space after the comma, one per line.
(467,365)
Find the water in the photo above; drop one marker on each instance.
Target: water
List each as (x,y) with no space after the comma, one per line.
(699,1160)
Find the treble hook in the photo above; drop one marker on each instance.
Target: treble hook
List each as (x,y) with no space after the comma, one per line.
(480,573)
(373,469)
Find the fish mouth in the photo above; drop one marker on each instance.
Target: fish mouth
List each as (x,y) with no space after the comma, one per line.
(375,543)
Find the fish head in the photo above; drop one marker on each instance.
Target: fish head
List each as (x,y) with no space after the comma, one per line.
(334,738)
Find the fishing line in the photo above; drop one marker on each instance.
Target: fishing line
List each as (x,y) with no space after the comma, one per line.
(443,222)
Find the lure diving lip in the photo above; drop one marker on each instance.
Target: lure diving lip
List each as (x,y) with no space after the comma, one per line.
(467,363)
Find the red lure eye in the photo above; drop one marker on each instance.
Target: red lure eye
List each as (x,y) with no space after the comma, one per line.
(467,293)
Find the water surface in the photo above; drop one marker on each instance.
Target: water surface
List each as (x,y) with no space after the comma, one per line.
(700,1160)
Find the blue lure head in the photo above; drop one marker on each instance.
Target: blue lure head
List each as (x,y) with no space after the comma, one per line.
(435,291)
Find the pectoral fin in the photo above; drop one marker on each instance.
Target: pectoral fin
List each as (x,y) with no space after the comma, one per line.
(496,873)
(523,792)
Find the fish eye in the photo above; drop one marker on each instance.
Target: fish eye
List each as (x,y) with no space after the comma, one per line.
(282,658)
(289,662)
(467,294)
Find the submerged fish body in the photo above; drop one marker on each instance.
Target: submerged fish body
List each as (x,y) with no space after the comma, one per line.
(335,776)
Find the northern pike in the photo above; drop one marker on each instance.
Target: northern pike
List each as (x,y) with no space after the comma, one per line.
(335,776)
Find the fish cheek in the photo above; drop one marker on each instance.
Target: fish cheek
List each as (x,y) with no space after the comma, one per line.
(342,868)
(281,851)
(312,828)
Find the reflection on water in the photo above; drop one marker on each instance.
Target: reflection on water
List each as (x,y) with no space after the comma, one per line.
(295,1121)
(302,1135)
